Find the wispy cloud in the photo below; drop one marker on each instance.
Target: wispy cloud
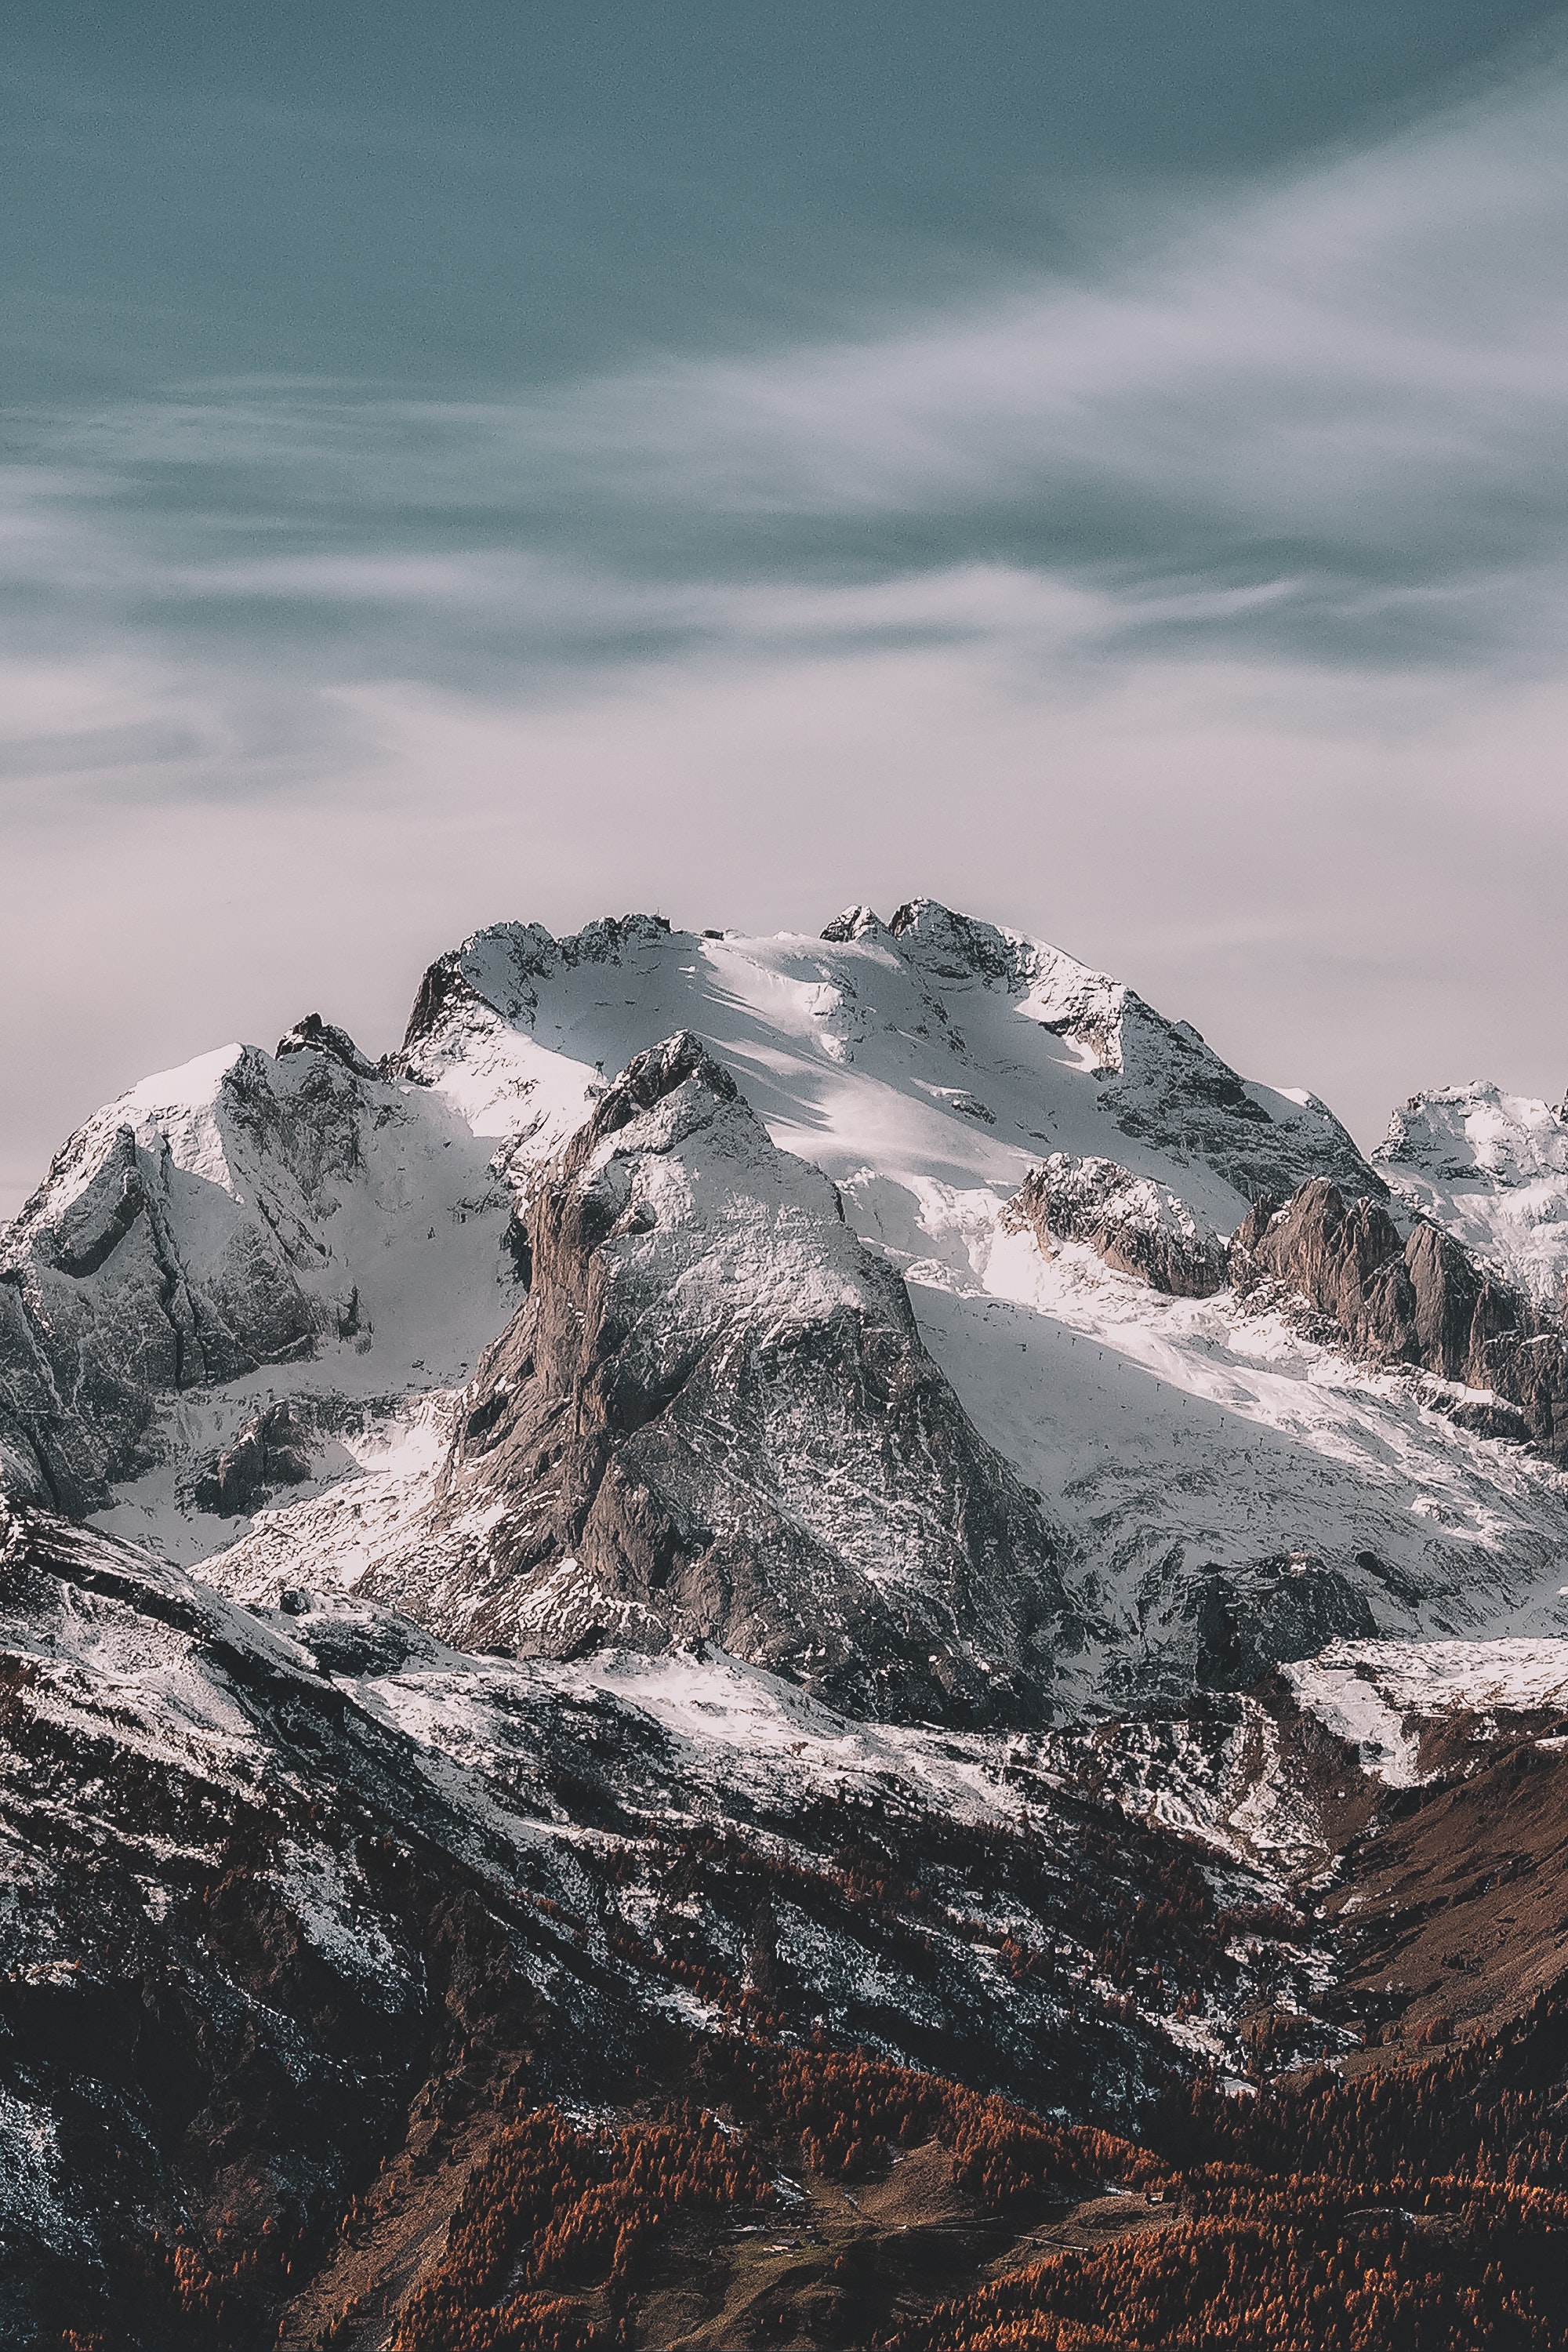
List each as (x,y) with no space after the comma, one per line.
(1236,576)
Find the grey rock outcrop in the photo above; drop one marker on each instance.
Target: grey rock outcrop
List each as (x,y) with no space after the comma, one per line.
(1136,1225)
(715,1419)
(272,1451)
(1419,1298)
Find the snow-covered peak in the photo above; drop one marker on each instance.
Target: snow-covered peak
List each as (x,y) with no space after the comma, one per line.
(857,922)
(173,1110)
(715,1419)
(906,1058)
(1476,1136)
(305,1230)
(1491,1168)
(220,1222)
(709,1221)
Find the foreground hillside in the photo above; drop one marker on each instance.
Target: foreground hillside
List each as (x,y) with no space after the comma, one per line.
(358,1991)
(782,1643)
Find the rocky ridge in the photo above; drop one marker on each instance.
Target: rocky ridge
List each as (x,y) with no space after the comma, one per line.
(715,1419)
(1418,1298)
(1135,1225)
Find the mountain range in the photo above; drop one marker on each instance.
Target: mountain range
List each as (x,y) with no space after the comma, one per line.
(847,1550)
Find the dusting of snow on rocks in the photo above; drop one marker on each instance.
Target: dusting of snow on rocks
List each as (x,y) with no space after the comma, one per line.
(1378,1696)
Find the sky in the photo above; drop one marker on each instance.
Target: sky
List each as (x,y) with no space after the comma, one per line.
(1103,465)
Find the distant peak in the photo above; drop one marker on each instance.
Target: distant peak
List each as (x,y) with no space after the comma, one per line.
(860,922)
(314,1036)
(956,946)
(1477,1131)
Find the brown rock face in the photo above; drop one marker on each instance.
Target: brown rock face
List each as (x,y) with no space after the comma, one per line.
(1422,1300)
(715,1419)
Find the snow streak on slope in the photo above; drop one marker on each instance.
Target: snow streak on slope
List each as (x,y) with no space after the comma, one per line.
(1381,1696)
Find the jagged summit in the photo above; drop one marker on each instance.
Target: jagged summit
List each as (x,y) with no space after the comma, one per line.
(498,965)
(312,1035)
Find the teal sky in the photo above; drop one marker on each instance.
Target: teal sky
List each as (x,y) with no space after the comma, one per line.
(1103,465)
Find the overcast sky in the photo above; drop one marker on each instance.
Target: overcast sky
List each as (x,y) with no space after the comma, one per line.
(1103,465)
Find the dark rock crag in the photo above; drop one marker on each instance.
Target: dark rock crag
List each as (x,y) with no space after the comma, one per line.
(272,1451)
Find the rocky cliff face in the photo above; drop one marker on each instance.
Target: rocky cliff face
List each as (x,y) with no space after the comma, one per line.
(1418,1298)
(714,1420)
(1135,1225)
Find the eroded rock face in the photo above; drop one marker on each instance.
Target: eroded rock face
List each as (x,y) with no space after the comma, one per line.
(1419,1298)
(272,1451)
(1135,1225)
(100,1314)
(715,1419)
